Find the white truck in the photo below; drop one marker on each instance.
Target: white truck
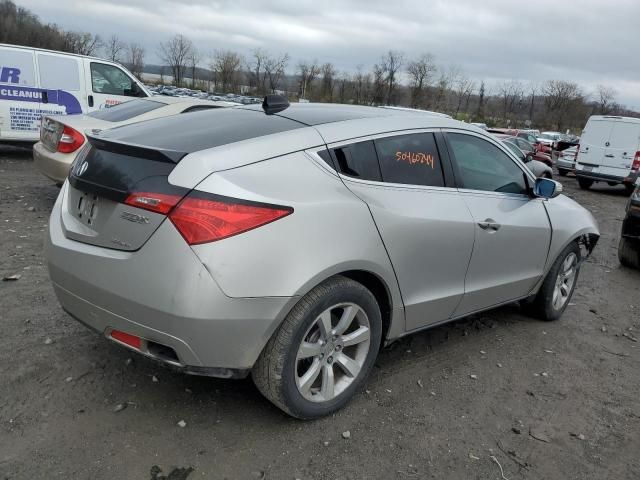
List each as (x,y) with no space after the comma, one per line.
(36,82)
(609,151)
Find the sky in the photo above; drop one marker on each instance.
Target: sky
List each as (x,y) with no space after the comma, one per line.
(585,41)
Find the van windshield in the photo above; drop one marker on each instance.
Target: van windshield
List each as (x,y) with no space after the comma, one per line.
(126,110)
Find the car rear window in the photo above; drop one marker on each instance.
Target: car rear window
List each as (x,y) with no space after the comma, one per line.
(358,160)
(126,111)
(410,159)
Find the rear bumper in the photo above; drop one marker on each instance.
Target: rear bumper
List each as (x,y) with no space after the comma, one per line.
(163,294)
(565,164)
(54,165)
(601,177)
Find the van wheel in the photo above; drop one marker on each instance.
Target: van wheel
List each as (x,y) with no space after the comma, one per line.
(563,172)
(629,187)
(558,286)
(629,253)
(585,183)
(323,352)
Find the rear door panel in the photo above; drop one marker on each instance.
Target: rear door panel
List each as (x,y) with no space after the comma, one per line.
(593,144)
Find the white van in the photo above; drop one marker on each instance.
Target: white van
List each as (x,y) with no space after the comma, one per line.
(609,151)
(36,82)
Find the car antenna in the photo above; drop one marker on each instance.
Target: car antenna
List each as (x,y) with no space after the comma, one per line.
(274,104)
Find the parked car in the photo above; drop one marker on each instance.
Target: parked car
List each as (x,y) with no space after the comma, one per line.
(531,150)
(291,242)
(566,160)
(528,135)
(62,136)
(539,169)
(629,246)
(609,152)
(549,139)
(36,82)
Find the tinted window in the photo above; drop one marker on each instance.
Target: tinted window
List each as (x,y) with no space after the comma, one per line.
(515,150)
(358,160)
(483,166)
(111,80)
(59,73)
(126,110)
(410,159)
(326,156)
(524,145)
(199,130)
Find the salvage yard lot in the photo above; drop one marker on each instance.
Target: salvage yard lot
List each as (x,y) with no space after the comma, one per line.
(540,400)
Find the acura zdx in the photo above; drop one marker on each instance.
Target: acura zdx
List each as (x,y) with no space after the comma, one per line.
(292,242)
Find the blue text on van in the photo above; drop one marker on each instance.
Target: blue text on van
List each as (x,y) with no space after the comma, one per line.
(9,75)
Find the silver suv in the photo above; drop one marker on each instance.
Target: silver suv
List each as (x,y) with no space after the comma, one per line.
(292,242)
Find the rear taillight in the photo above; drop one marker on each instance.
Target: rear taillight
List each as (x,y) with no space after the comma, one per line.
(206,218)
(70,141)
(155,202)
(636,162)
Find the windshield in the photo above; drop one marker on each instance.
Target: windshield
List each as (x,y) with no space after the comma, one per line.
(126,110)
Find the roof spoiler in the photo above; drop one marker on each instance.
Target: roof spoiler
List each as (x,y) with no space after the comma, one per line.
(274,104)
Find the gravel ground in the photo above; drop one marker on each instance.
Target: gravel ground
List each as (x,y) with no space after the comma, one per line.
(495,391)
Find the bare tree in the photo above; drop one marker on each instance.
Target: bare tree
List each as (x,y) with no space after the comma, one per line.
(361,86)
(510,93)
(194,61)
(176,53)
(605,98)
(274,68)
(326,91)
(533,91)
(378,87)
(391,64)
(114,48)
(463,88)
(135,59)
(82,43)
(481,101)
(421,72)
(257,76)
(226,64)
(559,97)
(307,72)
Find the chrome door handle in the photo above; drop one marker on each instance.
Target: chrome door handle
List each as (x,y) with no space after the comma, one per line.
(609,155)
(489,224)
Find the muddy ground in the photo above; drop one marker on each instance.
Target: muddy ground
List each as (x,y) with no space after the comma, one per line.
(556,400)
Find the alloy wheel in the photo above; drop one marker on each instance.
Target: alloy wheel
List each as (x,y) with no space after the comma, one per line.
(332,352)
(564,281)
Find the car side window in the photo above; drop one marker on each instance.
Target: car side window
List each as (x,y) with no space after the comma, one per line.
(110,80)
(483,166)
(410,159)
(358,160)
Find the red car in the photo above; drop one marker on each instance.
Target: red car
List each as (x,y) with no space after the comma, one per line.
(527,148)
(525,135)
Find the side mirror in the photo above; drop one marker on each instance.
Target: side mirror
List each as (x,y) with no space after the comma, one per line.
(547,188)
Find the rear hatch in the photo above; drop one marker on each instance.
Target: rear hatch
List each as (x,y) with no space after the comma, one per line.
(118,192)
(100,182)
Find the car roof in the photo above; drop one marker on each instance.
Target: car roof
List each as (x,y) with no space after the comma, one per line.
(210,128)
(187,101)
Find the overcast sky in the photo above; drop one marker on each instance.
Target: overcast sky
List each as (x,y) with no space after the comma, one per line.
(590,42)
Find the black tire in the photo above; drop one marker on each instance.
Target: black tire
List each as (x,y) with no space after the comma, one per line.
(548,175)
(629,188)
(275,371)
(612,184)
(562,172)
(629,252)
(585,183)
(542,305)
